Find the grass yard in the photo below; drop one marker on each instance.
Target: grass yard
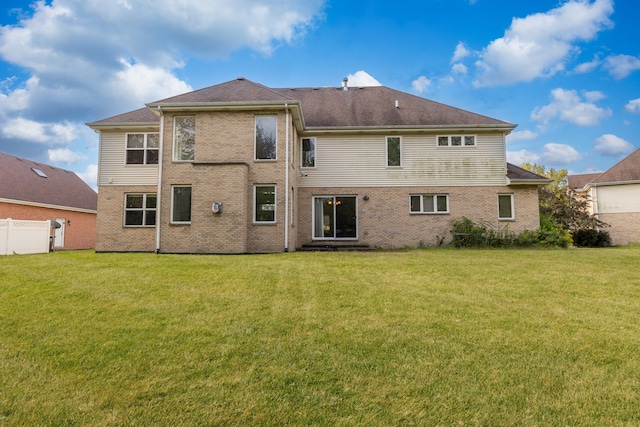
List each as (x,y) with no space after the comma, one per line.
(425,337)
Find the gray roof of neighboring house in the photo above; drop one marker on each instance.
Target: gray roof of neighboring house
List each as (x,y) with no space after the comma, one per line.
(60,187)
(626,170)
(327,107)
(578,182)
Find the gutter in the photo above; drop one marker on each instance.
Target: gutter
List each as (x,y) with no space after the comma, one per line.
(159,195)
(404,128)
(47,206)
(286,182)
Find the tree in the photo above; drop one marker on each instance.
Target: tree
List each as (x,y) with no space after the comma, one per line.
(560,205)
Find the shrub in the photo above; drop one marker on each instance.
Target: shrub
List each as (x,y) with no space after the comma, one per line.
(467,233)
(591,238)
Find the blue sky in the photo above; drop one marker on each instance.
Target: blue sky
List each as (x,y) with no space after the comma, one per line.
(567,72)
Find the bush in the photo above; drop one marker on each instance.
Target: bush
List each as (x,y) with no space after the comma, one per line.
(591,238)
(468,234)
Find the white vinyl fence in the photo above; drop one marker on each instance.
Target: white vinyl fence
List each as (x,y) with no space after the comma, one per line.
(23,236)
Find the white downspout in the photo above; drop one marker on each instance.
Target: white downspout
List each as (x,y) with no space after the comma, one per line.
(158,196)
(286,183)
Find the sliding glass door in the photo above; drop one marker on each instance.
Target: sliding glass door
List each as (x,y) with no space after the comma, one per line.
(334,217)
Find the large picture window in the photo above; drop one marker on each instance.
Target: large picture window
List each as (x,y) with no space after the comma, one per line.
(394,153)
(180,204)
(430,203)
(140,210)
(184,138)
(266,140)
(264,210)
(308,153)
(505,206)
(142,148)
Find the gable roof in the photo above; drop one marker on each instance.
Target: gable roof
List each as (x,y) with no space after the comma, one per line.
(323,108)
(380,106)
(626,170)
(578,182)
(57,187)
(518,175)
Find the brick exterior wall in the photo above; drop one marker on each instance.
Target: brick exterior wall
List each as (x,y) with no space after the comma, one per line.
(385,221)
(624,227)
(80,233)
(112,235)
(225,171)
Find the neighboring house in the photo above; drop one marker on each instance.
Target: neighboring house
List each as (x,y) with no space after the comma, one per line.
(243,168)
(35,191)
(614,197)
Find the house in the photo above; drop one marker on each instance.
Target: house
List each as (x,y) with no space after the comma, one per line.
(35,191)
(243,168)
(614,197)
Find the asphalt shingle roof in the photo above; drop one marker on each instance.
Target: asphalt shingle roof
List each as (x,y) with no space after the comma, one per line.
(60,187)
(627,169)
(373,106)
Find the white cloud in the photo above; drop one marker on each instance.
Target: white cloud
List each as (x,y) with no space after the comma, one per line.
(522,156)
(620,66)
(559,154)
(421,84)
(42,133)
(587,67)
(550,154)
(64,155)
(539,45)
(90,176)
(523,135)
(593,96)
(362,78)
(459,68)
(461,52)
(567,105)
(142,82)
(611,145)
(633,106)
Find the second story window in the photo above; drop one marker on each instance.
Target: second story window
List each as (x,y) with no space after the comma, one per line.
(308,153)
(184,138)
(142,148)
(394,154)
(266,140)
(457,141)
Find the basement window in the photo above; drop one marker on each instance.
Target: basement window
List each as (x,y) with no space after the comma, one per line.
(39,173)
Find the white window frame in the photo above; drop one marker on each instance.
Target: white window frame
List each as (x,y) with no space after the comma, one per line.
(513,213)
(255,139)
(314,141)
(144,209)
(173,187)
(463,141)
(434,198)
(386,146)
(255,204)
(145,149)
(176,157)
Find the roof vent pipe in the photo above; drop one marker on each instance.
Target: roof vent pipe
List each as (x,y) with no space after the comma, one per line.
(344,83)
(397,104)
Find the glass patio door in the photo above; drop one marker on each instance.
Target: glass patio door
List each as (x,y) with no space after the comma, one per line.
(334,217)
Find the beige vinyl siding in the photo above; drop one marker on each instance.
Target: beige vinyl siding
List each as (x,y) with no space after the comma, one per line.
(343,161)
(618,198)
(112,168)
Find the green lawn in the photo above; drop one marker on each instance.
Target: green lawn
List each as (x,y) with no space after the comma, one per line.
(426,337)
